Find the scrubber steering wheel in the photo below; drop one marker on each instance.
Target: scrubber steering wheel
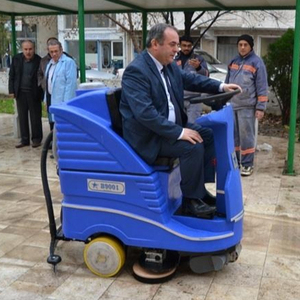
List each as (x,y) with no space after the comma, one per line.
(216,101)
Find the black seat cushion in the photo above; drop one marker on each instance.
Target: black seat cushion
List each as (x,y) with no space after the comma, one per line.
(113,98)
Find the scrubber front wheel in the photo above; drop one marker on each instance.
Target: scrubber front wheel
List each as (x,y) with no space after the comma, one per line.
(104,256)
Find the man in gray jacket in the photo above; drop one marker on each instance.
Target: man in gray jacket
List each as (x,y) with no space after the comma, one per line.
(249,72)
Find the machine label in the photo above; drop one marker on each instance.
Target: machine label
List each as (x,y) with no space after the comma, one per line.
(102,186)
(234,160)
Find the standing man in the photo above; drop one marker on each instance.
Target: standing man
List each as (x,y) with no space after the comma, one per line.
(42,68)
(42,78)
(190,62)
(23,86)
(41,73)
(61,76)
(154,121)
(248,71)
(7,59)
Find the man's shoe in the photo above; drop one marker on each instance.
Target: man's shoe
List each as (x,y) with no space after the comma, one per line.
(246,171)
(21,145)
(197,208)
(209,199)
(35,145)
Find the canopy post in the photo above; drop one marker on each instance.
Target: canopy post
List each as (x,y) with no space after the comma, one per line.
(294,94)
(81,40)
(13,35)
(144,16)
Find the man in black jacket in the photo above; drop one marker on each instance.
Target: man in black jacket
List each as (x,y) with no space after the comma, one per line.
(23,86)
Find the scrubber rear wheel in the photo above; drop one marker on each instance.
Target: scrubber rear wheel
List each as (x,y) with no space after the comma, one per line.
(104,256)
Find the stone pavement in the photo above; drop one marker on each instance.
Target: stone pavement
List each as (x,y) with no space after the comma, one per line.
(268,268)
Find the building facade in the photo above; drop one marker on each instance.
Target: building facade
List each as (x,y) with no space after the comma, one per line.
(106,46)
(265,27)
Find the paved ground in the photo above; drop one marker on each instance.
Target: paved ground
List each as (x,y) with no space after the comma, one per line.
(268,268)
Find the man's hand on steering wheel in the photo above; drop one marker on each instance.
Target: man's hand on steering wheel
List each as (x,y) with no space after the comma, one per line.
(230,87)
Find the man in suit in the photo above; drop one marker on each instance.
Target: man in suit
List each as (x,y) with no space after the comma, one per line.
(154,121)
(23,85)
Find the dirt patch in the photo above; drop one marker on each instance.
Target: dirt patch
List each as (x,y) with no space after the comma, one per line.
(4,96)
(271,125)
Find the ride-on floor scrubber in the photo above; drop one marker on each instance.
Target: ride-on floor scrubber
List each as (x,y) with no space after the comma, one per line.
(113,200)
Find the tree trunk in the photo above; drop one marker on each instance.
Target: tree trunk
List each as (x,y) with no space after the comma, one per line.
(188,22)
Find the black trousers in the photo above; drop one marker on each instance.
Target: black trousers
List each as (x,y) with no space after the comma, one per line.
(26,103)
(48,99)
(197,162)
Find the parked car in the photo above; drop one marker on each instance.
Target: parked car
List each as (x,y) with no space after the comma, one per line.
(96,75)
(212,60)
(215,73)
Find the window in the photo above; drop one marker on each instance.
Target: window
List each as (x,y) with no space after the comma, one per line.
(91,21)
(90,47)
(73,49)
(117,49)
(91,52)
(265,42)
(71,21)
(27,32)
(227,48)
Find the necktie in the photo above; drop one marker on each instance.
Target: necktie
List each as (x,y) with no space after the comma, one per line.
(172,97)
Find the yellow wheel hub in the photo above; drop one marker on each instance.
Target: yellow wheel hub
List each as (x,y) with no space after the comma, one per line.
(104,256)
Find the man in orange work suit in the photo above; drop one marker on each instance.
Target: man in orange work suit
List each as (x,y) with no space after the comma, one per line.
(249,72)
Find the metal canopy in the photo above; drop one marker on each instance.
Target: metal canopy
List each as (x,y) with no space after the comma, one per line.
(37,7)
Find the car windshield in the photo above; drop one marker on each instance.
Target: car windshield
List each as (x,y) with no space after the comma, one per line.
(208,58)
(211,69)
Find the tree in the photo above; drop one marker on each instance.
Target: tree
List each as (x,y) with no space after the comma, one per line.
(45,21)
(4,37)
(189,22)
(129,22)
(279,62)
(168,17)
(195,19)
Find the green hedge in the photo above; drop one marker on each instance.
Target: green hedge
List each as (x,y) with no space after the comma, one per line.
(7,106)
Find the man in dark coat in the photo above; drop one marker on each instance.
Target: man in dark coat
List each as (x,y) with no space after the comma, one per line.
(154,121)
(23,86)
(190,62)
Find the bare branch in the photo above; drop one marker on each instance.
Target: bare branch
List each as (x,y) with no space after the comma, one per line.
(118,23)
(197,18)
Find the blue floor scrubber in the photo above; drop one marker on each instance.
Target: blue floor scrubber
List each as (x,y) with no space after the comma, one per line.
(113,200)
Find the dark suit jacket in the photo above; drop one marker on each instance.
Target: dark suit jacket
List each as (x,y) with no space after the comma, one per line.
(144,104)
(15,76)
(41,71)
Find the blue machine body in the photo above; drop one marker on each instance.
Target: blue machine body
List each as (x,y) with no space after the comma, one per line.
(108,189)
